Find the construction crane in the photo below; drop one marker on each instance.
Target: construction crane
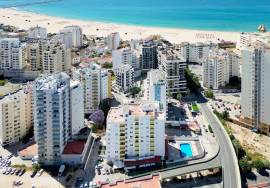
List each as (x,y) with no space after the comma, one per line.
(29,4)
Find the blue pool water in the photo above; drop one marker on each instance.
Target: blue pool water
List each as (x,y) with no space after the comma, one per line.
(185,150)
(226,15)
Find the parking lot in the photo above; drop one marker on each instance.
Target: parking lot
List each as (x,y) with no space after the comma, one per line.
(15,172)
(220,105)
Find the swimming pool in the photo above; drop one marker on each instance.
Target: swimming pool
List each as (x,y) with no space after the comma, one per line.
(185,150)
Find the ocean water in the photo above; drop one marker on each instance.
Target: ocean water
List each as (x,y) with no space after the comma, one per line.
(223,15)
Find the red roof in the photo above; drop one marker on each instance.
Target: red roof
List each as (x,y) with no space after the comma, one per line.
(146,182)
(74,147)
(155,159)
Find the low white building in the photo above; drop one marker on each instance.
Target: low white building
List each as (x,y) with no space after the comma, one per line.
(124,77)
(219,67)
(135,131)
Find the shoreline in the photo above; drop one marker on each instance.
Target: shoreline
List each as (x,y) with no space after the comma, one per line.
(20,18)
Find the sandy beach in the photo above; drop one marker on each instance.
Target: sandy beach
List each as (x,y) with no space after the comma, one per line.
(25,20)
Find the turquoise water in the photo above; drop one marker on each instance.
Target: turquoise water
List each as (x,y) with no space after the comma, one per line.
(185,150)
(226,15)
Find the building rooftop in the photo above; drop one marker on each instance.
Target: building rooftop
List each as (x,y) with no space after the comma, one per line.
(54,81)
(74,147)
(152,181)
(9,88)
(117,114)
(29,151)
(156,76)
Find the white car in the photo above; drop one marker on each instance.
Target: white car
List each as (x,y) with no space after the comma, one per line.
(40,172)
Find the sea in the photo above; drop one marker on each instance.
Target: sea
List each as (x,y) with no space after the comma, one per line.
(220,15)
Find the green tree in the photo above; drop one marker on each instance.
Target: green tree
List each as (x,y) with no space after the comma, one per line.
(134,90)
(259,165)
(209,94)
(36,167)
(245,165)
(193,82)
(107,65)
(240,152)
(225,115)
(179,96)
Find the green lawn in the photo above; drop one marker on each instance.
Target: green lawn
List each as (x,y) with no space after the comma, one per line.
(194,107)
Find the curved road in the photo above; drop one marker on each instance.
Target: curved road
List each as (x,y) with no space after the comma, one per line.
(231,173)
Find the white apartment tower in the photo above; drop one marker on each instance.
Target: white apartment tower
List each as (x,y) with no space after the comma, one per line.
(72,36)
(37,33)
(173,66)
(52,126)
(12,54)
(16,117)
(124,77)
(125,56)
(195,52)
(113,41)
(77,106)
(219,67)
(55,58)
(255,100)
(96,83)
(135,131)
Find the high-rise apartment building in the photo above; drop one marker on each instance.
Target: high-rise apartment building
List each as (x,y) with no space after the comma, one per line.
(52,121)
(255,90)
(219,67)
(126,56)
(135,131)
(96,84)
(124,77)
(16,117)
(71,36)
(55,58)
(149,56)
(77,106)
(113,41)
(12,54)
(173,66)
(195,52)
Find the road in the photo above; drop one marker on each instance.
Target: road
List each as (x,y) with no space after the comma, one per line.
(231,173)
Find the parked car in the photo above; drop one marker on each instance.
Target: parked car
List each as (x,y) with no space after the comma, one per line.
(18,172)
(22,172)
(33,174)
(13,171)
(40,172)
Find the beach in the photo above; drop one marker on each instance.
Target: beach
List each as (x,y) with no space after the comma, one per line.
(25,20)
